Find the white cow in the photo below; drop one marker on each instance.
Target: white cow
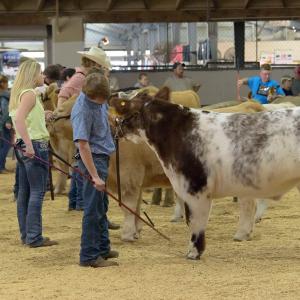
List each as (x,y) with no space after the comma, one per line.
(245,107)
(210,155)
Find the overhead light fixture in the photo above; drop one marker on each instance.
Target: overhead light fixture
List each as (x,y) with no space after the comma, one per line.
(105,40)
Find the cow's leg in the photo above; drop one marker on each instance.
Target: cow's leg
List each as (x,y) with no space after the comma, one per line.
(156,196)
(130,198)
(138,222)
(178,210)
(64,150)
(261,206)
(246,221)
(61,181)
(197,214)
(169,198)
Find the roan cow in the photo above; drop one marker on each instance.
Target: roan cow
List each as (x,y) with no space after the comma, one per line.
(210,155)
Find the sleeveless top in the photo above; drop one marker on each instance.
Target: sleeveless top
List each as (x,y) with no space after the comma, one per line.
(35,120)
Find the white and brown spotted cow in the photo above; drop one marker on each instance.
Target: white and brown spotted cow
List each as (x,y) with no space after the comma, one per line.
(210,155)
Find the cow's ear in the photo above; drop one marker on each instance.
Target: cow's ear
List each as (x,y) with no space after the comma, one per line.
(163,94)
(119,106)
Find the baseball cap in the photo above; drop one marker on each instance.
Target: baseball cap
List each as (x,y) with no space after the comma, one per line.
(177,64)
(286,78)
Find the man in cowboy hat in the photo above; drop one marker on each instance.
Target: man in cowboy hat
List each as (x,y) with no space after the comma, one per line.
(95,57)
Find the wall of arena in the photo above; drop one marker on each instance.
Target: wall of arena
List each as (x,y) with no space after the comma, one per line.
(217,86)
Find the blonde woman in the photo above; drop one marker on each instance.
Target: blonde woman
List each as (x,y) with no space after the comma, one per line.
(28,117)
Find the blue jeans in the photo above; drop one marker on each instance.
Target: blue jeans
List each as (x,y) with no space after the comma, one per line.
(4,147)
(32,187)
(16,186)
(95,237)
(75,193)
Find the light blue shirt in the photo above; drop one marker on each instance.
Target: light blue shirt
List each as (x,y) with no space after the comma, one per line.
(90,123)
(259,89)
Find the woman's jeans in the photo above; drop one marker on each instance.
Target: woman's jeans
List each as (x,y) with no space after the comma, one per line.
(95,237)
(32,187)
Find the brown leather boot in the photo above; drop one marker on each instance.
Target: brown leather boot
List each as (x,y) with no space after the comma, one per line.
(45,243)
(100,262)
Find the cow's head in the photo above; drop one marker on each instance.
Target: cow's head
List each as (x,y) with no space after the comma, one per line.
(130,114)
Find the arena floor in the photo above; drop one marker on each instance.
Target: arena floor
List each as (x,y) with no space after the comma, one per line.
(268,267)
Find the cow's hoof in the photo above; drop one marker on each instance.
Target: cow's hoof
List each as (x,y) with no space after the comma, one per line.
(128,239)
(193,256)
(258,219)
(177,219)
(239,237)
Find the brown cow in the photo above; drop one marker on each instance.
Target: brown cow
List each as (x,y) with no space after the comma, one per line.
(139,168)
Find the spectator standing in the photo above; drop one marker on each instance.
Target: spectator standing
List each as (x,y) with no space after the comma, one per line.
(296,82)
(5,123)
(286,84)
(179,82)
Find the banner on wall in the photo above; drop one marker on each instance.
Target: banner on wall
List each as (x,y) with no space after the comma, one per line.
(283,56)
(10,63)
(266,58)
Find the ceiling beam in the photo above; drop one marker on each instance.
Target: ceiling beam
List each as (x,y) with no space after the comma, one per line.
(110,4)
(77,4)
(146,4)
(148,16)
(215,4)
(40,4)
(247,4)
(179,4)
(7,4)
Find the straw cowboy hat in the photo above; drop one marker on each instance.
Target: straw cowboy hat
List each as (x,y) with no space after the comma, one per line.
(98,56)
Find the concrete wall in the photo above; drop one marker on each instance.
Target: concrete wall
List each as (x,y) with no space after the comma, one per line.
(217,86)
(67,39)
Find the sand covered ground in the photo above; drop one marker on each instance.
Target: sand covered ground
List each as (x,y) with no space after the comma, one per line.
(268,267)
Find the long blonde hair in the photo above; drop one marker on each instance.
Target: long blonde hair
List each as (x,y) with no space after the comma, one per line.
(26,78)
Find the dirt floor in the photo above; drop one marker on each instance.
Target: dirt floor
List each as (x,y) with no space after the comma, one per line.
(268,267)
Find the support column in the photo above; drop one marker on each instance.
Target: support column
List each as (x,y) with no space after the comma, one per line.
(213,40)
(152,37)
(163,39)
(239,44)
(68,38)
(129,49)
(175,33)
(192,40)
(136,48)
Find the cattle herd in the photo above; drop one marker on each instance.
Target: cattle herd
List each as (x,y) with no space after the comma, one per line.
(248,150)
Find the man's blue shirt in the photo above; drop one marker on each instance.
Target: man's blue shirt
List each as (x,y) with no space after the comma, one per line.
(90,123)
(259,89)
